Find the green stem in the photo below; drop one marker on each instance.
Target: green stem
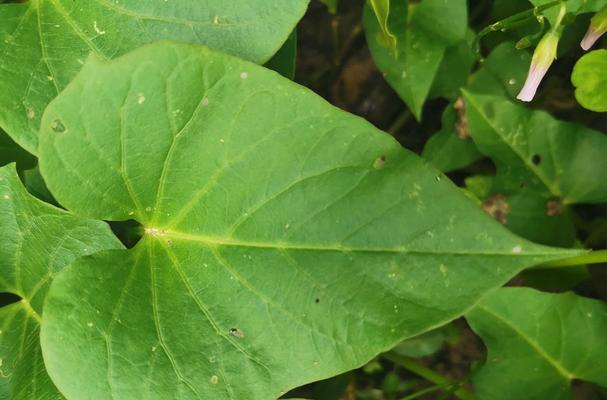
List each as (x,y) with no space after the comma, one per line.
(513,20)
(595,257)
(426,391)
(399,122)
(418,369)
(507,22)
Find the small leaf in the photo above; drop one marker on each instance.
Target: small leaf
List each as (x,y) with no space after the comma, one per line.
(590,79)
(452,148)
(427,343)
(37,64)
(285,59)
(38,240)
(381,9)
(275,253)
(424,31)
(540,341)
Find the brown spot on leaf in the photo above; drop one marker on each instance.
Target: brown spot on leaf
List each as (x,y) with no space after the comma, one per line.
(554,207)
(379,162)
(497,206)
(461,124)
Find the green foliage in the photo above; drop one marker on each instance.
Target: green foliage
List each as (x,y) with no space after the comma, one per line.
(262,239)
(574,7)
(538,343)
(590,80)
(425,31)
(298,224)
(45,42)
(11,152)
(451,148)
(544,165)
(385,38)
(284,60)
(38,241)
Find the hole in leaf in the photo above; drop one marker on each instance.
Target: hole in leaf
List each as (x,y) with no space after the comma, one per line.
(8,299)
(57,126)
(317,301)
(379,162)
(129,232)
(536,159)
(236,332)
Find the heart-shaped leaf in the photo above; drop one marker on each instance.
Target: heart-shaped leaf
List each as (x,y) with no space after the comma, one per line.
(285,240)
(540,341)
(45,42)
(38,240)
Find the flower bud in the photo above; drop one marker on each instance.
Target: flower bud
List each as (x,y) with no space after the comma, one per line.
(598,26)
(544,55)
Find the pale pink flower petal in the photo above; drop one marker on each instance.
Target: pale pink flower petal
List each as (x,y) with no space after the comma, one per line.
(590,39)
(534,78)
(598,26)
(543,57)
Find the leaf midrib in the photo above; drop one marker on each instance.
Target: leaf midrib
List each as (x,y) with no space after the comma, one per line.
(532,344)
(220,241)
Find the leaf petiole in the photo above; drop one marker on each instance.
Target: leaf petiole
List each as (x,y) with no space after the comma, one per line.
(418,369)
(595,257)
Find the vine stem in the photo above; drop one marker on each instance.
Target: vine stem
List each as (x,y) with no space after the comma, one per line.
(512,21)
(418,369)
(595,257)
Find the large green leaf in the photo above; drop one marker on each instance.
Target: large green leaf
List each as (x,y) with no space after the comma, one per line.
(543,165)
(539,341)
(45,42)
(285,240)
(38,240)
(590,79)
(424,31)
